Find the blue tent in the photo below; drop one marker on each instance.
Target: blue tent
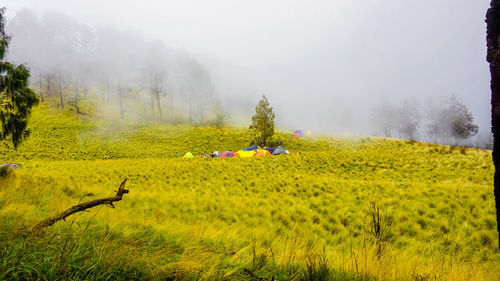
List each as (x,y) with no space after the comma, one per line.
(279,150)
(253,147)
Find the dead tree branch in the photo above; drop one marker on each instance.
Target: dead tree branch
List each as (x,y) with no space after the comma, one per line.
(82,207)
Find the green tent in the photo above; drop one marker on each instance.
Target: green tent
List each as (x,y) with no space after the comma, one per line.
(188,155)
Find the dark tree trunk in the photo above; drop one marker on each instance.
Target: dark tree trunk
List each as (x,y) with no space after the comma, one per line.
(41,91)
(77,97)
(120,100)
(61,94)
(493,57)
(153,102)
(48,86)
(158,101)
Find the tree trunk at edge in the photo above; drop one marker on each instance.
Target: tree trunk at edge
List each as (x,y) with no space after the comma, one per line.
(493,57)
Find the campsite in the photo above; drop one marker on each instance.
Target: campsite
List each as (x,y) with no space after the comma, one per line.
(251,151)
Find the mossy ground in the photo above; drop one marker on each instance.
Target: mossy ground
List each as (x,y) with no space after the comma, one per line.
(304,216)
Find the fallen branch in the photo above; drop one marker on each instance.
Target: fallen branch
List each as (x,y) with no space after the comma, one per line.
(82,207)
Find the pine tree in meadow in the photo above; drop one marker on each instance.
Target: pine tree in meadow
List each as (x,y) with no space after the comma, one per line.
(16,98)
(262,122)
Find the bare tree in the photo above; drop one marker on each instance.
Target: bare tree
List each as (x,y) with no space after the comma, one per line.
(436,121)
(383,118)
(403,120)
(408,119)
(63,53)
(60,90)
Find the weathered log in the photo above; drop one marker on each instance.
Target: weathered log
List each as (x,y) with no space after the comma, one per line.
(82,207)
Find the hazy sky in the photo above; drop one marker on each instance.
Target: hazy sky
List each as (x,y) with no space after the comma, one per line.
(322,64)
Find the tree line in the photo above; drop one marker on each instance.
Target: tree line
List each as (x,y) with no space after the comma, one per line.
(131,73)
(445,120)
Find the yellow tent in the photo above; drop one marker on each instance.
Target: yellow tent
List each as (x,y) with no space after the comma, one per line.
(188,155)
(243,153)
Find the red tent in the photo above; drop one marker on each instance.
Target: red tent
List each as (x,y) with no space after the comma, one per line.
(227,154)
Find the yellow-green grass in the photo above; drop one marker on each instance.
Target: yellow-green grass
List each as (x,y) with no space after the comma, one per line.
(278,216)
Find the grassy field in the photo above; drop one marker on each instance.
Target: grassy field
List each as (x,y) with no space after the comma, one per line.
(304,216)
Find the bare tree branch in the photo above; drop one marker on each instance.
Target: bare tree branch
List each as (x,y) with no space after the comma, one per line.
(82,207)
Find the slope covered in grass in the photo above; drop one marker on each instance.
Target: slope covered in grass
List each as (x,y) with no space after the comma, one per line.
(298,217)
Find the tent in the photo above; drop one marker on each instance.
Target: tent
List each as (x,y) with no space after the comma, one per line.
(280,150)
(309,133)
(270,149)
(245,153)
(262,153)
(216,154)
(188,155)
(297,134)
(227,154)
(253,147)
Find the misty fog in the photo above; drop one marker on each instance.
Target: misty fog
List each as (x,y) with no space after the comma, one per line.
(325,66)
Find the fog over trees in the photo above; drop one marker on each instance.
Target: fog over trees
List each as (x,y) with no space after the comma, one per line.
(444,120)
(135,76)
(143,78)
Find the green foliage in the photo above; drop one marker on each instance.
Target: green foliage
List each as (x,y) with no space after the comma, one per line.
(461,119)
(16,98)
(262,126)
(450,119)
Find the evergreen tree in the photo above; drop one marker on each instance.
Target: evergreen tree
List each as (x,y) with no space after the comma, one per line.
(462,125)
(448,119)
(16,98)
(262,122)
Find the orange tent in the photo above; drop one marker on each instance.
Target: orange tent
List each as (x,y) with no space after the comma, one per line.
(262,153)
